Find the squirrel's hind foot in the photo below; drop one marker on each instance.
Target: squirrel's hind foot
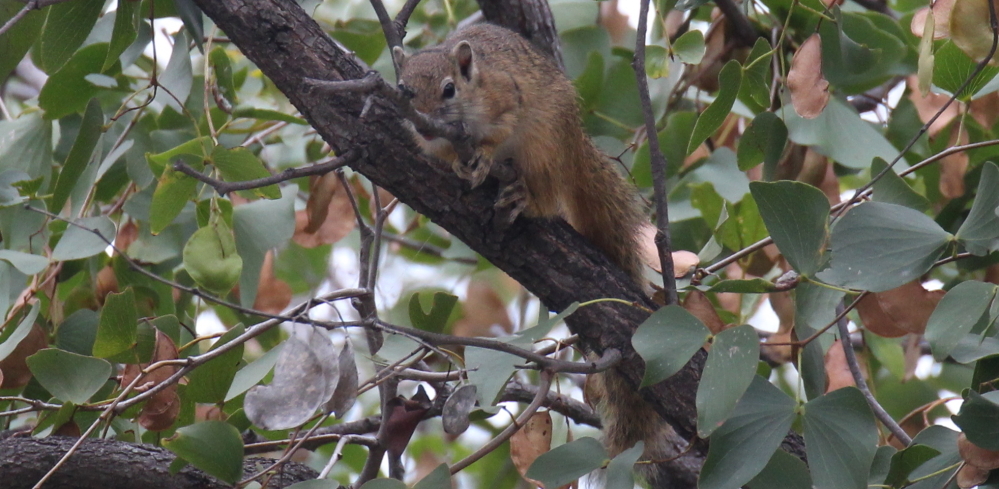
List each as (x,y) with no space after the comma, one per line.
(511,202)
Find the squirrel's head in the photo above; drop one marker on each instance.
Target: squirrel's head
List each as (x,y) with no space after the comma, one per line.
(439,79)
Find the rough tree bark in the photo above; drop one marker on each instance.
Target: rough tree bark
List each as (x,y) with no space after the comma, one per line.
(110,464)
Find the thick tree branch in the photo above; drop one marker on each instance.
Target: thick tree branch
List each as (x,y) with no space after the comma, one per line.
(104,464)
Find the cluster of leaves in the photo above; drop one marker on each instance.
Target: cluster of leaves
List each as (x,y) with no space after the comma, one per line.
(111,255)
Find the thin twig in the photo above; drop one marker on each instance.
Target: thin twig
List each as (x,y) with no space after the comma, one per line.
(402,18)
(224,188)
(610,357)
(28,7)
(858,378)
(543,387)
(658,161)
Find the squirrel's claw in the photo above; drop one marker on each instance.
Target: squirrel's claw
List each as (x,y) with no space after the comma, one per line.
(511,201)
(476,169)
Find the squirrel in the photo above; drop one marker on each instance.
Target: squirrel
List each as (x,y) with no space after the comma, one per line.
(516,103)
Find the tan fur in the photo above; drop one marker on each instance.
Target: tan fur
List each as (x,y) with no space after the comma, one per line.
(516,103)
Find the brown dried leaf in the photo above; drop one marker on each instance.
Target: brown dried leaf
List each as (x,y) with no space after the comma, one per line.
(992,274)
(778,353)
(953,167)
(876,320)
(837,370)
(809,89)
(69,428)
(929,105)
(273,294)
(328,216)
(970,27)
(533,440)
(909,306)
(985,109)
(15,370)
(698,304)
(107,283)
(484,313)
(127,235)
(976,455)
(161,410)
(970,476)
(404,416)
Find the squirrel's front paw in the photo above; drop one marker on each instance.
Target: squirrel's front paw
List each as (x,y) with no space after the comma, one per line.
(511,201)
(476,169)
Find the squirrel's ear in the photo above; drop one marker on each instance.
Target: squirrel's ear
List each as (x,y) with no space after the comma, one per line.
(464,59)
(399,56)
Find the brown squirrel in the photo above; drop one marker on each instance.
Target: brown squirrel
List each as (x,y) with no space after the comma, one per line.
(516,103)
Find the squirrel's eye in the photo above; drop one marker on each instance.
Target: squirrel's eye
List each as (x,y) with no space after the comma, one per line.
(448,90)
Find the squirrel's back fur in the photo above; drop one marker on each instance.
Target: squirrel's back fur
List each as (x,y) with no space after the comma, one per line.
(516,103)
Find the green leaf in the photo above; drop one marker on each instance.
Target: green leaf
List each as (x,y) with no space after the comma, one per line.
(192,150)
(730,368)
(176,78)
(253,373)
(667,340)
(212,446)
(836,124)
(621,470)
(952,67)
(742,446)
(439,478)
(888,351)
(893,189)
(783,471)
(656,61)
(568,462)
(124,32)
(436,319)
(260,226)
(362,36)
(590,82)
(68,376)
(905,461)
(956,314)
(28,143)
(79,240)
(211,259)
(712,117)
(117,330)
(77,332)
(80,154)
(488,371)
(756,77)
(239,164)
(67,91)
(384,484)
(10,337)
(942,466)
(173,191)
(878,247)
(860,51)
(19,37)
(980,231)
(66,27)
(751,286)
(26,263)
(799,235)
(763,142)
(210,382)
(841,438)
(979,419)
(689,47)
(219,61)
